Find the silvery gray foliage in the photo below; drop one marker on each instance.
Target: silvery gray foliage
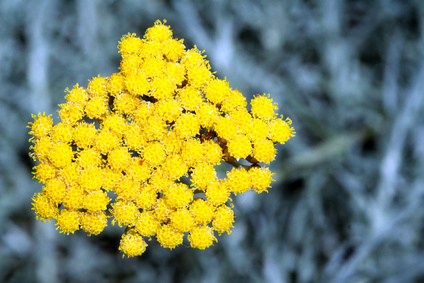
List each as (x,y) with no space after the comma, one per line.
(347,202)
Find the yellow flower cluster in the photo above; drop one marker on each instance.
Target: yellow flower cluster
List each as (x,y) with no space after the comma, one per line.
(152,135)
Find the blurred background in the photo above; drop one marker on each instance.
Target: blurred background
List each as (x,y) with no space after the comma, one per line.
(347,203)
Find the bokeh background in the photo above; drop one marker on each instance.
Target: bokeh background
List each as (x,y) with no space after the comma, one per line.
(347,203)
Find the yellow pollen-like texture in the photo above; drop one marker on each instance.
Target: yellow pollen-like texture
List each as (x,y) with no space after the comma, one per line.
(142,147)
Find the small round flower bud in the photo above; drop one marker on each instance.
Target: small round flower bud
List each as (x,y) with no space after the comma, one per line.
(74,197)
(187,125)
(77,95)
(55,189)
(146,224)
(147,198)
(94,222)
(280,130)
(62,133)
(130,44)
(264,151)
(97,87)
(158,32)
(238,181)
(239,147)
(261,179)
(44,207)
(223,219)
(263,107)
(202,211)
(168,237)
(124,212)
(41,126)
(182,220)
(96,200)
(116,83)
(217,193)
(85,135)
(201,237)
(132,244)
(41,149)
(178,195)
(154,154)
(68,221)
(61,154)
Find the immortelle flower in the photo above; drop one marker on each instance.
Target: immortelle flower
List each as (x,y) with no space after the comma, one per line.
(140,134)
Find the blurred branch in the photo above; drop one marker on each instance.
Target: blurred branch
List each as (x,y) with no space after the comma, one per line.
(393,159)
(329,149)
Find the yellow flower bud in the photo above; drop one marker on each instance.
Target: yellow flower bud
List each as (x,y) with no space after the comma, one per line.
(182,220)
(130,44)
(239,147)
(77,95)
(115,84)
(97,87)
(96,200)
(201,237)
(154,154)
(238,181)
(261,179)
(146,224)
(217,90)
(147,198)
(128,188)
(119,158)
(74,197)
(41,126)
(93,222)
(95,108)
(280,130)
(89,158)
(61,154)
(263,107)
(158,32)
(223,219)
(44,207)
(202,211)
(106,141)
(187,125)
(203,175)
(68,221)
(85,135)
(62,133)
(41,149)
(168,237)
(91,178)
(217,193)
(190,98)
(71,113)
(55,189)
(132,244)
(178,196)
(264,151)
(125,212)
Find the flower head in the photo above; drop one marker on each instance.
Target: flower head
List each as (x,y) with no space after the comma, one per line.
(142,147)
(132,244)
(201,237)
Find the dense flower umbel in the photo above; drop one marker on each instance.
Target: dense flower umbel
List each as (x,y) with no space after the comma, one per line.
(135,134)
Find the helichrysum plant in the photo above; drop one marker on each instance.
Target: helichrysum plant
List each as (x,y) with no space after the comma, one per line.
(141,147)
